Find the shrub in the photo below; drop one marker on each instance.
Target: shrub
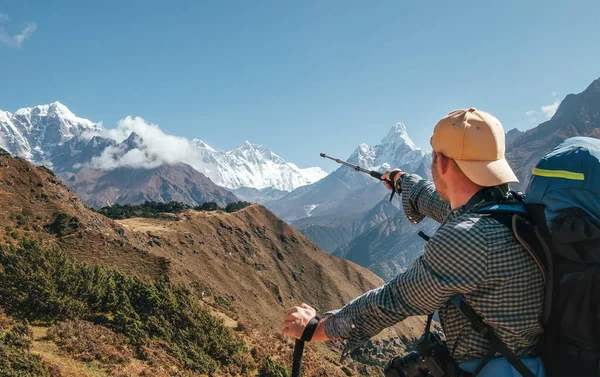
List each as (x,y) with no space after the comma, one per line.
(63,224)
(20,336)
(15,358)
(163,210)
(88,342)
(272,368)
(234,207)
(47,285)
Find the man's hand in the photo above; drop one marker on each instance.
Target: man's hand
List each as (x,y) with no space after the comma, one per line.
(388,175)
(295,322)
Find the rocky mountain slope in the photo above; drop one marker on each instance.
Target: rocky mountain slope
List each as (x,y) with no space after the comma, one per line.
(512,135)
(577,115)
(246,267)
(166,183)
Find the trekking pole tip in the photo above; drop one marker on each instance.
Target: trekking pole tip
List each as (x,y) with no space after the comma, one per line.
(322,155)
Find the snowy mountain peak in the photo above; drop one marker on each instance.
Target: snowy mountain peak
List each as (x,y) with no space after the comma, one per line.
(398,134)
(202,145)
(5,116)
(54,108)
(33,132)
(248,146)
(134,141)
(396,150)
(255,166)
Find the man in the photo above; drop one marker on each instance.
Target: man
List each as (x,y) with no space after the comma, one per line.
(470,254)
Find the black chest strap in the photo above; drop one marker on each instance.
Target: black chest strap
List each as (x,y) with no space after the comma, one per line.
(497,345)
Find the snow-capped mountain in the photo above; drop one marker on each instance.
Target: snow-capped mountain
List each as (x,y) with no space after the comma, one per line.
(53,135)
(254,166)
(396,150)
(32,133)
(337,193)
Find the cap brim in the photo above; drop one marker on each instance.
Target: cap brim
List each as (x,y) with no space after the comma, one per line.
(488,173)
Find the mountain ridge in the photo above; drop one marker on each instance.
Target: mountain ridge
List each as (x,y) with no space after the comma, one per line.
(40,132)
(577,115)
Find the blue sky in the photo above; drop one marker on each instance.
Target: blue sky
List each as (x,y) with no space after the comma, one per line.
(299,77)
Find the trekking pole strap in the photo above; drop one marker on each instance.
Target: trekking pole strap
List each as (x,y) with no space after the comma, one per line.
(496,343)
(310,328)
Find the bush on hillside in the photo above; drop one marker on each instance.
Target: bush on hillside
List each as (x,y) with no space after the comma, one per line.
(63,224)
(43,284)
(15,357)
(163,210)
(88,342)
(272,368)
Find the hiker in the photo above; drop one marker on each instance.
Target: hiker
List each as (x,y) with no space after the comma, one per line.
(470,254)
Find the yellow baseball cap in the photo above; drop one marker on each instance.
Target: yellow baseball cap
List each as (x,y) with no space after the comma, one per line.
(475,140)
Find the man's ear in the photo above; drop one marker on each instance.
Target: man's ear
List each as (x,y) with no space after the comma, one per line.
(443,162)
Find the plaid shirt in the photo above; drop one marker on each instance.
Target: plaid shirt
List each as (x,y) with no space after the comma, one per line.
(471,254)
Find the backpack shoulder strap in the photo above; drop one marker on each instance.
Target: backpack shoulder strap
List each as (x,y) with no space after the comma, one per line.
(497,344)
(529,228)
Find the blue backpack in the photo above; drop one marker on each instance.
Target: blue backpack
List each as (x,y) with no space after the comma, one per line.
(563,197)
(558,223)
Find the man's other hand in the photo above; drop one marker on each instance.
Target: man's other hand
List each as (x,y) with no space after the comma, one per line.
(388,175)
(296,319)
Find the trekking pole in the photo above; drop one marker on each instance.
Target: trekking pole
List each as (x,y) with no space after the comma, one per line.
(297,359)
(372,173)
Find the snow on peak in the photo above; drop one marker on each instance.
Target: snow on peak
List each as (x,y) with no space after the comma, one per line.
(255,166)
(55,108)
(396,150)
(398,134)
(202,145)
(33,132)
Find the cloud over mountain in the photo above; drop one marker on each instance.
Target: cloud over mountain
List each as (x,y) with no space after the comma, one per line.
(153,149)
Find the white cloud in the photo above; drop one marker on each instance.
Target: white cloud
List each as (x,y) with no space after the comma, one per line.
(550,110)
(16,40)
(157,147)
(29,29)
(544,113)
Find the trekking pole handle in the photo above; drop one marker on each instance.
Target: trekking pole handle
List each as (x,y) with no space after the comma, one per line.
(372,173)
(297,358)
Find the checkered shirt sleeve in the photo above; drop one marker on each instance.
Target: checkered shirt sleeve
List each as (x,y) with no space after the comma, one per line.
(471,254)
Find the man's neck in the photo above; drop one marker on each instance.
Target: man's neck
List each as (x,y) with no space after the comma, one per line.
(462,197)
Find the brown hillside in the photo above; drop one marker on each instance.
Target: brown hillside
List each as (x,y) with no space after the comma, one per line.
(255,260)
(31,197)
(252,266)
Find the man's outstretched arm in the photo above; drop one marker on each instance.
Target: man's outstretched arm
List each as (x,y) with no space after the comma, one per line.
(420,199)
(425,287)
